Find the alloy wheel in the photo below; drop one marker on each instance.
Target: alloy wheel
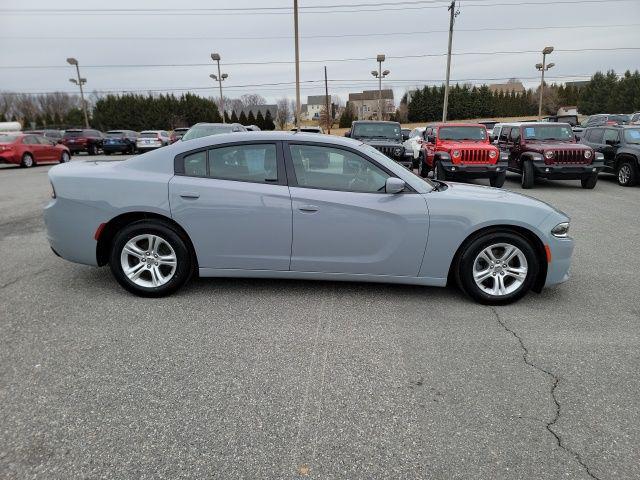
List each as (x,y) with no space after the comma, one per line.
(148,260)
(500,269)
(624,174)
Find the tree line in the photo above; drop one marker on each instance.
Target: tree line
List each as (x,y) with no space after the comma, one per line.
(604,93)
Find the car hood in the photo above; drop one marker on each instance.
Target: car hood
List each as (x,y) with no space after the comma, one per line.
(542,147)
(381,142)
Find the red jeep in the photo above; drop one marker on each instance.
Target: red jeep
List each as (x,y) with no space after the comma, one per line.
(461,150)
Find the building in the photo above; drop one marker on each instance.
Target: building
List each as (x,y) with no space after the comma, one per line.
(512,86)
(365,104)
(314,106)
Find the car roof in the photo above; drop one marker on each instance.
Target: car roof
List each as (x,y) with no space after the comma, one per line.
(151,131)
(455,124)
(376,121)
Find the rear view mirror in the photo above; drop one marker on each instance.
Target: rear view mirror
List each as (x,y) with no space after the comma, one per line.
(394,185)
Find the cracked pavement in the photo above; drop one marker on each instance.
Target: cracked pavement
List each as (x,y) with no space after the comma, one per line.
(283,379)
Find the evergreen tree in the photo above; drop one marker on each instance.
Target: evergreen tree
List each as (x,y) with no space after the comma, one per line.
(268,121)
(234,117)
(226,117)
(347,118)
(243,118)
(251,119)
(260,120)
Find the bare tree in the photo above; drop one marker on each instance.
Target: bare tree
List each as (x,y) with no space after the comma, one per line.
(326,119)
(252,99)
(284,113)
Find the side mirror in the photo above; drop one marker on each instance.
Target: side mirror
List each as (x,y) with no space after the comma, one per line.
(405,137)
(431,138)
(347,133)
(394,185)
(611,143)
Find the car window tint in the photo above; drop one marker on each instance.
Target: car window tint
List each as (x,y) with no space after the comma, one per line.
(611,135)
(514,135)
(249,163)
(30,140)
(596,135)
(43,141)
(195,164)
(336,169)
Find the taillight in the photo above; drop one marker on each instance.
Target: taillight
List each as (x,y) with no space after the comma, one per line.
(4,148)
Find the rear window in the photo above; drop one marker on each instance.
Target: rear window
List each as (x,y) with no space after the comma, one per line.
(199,131)
(73,133)
(8,138)
(148,135)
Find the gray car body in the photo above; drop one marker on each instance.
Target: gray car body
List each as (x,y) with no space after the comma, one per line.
(243,229)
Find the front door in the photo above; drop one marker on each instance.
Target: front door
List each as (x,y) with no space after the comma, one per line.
(344,222)
(234,203)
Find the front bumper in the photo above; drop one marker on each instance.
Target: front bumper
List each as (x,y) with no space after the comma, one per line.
(474,170)
(11,158)
(567,171)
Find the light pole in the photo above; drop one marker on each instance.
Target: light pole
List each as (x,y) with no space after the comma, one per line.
(220,78)
(80,82)
(297,54)
(380,75)
(452,19)
(543,67)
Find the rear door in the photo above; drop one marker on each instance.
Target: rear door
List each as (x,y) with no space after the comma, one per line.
(33,145)
(49,151)
(611,140)
(345,222)
(234,203)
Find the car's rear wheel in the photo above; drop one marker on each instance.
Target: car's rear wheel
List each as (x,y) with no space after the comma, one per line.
(589,182)
(627,173)
(150,259)
(423,169)
(92,150)
(498,179)
(65,157)
(27,161)
(497,268)
(528,175)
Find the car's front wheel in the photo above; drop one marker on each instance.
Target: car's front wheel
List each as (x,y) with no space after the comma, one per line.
(497,268)
(528,175)
(439,173)
(498,179)
(589,182)
(27,161)
(627,174)
(64,157)
(150,259)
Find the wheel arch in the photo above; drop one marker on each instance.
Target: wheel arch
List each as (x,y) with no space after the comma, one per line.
(530,235)
(622,156)
(114,225)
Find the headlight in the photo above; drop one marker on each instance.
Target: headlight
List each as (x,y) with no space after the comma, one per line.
(456,154)
(561,230)
(397,151)
(587,154)
(493,154)
(548,155)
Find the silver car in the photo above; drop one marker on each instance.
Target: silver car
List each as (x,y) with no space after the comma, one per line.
(299,206)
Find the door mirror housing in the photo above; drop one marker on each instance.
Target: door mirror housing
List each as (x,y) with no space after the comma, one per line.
(431,138)
(405,137)
(394,185)
(347,134)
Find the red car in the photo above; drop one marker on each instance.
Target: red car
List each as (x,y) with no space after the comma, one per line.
(29,150)
(461,150)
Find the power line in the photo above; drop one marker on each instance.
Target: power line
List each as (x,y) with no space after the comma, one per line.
(346,35)
(343,8)
(327,60)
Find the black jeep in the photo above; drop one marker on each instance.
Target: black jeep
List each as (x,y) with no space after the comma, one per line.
(385,137)
(620,146)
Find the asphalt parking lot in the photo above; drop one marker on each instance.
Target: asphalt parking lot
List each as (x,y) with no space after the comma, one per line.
(280,379)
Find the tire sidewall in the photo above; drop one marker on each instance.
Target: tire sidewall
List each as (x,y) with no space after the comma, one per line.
(65,157)
(184,268)
(528,178)
(26,164)
(467,259)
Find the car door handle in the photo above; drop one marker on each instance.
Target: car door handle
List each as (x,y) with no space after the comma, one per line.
(308,208)
(192,195)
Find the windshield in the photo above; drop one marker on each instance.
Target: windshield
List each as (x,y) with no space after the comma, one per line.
(383,159)
(632,135)
(376,130)
(619,118)
(72,133)
(205,130)
(548,132)
(8,138)
(115,134)
(149,135)
(462,133)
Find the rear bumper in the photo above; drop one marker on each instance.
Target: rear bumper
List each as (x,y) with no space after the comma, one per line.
(474,170)
(567,172)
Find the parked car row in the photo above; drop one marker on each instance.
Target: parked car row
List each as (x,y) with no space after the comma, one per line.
(29,149)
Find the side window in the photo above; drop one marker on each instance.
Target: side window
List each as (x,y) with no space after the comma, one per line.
(249,163)
(504,134)
(336,169)
(514,135)
(30,140)
(596,135)
(43,141)
(195,164)
(611,136)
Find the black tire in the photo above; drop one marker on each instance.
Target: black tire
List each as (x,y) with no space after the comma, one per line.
(423,168)
(627,173)
(106,152)
(415,162)
(65,157)
(589,182)
(528,175)
(498,179)
(92,150)
(439,173)
(467,258)
(27,161)
(184,265)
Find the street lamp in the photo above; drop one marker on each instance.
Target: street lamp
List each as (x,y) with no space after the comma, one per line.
(379,74)
(543,67)
(219,78)
(80,82)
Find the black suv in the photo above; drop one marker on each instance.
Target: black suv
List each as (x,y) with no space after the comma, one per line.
(620,146)
(123,141)
(385,137)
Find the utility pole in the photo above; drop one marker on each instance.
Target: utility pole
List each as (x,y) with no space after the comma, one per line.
(297,43)
(543,67)
(220,78)
(326,101)
(453,15)
(80,81)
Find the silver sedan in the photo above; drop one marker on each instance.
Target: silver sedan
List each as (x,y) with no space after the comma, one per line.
(299,206)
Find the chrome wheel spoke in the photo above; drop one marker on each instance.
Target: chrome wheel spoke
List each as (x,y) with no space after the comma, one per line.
(167,260)
(505,264)
(482,275)
(519,273)
(509,253)
(141,254)
(488,254)
(134,272)
(134,250)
